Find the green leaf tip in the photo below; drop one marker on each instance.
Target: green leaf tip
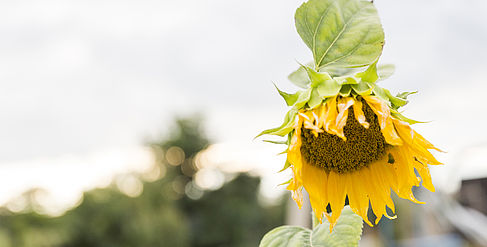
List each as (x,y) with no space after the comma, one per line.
(289,98)
(385,71)
(315,77)
(342,33)
(370,74)
(276,142)
(285,128)
(404,95)
(286,165)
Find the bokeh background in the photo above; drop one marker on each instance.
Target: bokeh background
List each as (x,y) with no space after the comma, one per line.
(131,123)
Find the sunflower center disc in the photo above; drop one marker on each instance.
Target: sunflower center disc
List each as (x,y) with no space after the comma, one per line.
(330,152)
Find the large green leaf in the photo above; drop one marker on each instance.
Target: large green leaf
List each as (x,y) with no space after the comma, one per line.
(344,33)
(346,232)
(287,236)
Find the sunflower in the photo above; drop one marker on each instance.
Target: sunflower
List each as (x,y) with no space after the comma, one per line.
(347,139)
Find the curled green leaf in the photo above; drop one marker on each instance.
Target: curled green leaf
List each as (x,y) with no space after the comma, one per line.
(300,78)
(385,71)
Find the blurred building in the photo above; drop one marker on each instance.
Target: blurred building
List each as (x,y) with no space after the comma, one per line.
(473,194)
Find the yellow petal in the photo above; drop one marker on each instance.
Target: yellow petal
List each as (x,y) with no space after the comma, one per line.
(415,142)
(382,181)
(424,172)
(296,194)
(359,114)
(315,182)
(375,194)
(420,140)
(404,168)
(294,151)
(381,109)
(321,111)
(405,175)
(336,196)
(341,120)
(354,197)
(331,116)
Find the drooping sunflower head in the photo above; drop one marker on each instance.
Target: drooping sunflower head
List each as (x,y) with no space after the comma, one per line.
(353,145)
(344,134)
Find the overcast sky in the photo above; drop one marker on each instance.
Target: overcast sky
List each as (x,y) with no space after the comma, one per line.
(83,77)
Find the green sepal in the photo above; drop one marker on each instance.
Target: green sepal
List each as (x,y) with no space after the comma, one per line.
(287,182)
(316,78)
(289,98)
(385,71)
(363,88)
(315,99)
(337,71)
(345,90)
(300,78)
(285,128)
(286,165)
(401,117)
(395,101)
(379,92)
(329,88)
(276,142)
(303,98)
(404,95)
(349,80)
(370,74)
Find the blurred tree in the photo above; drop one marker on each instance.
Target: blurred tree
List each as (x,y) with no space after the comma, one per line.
(232,215)
(163,215)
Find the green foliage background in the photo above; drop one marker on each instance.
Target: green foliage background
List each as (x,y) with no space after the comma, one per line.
(229,216)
